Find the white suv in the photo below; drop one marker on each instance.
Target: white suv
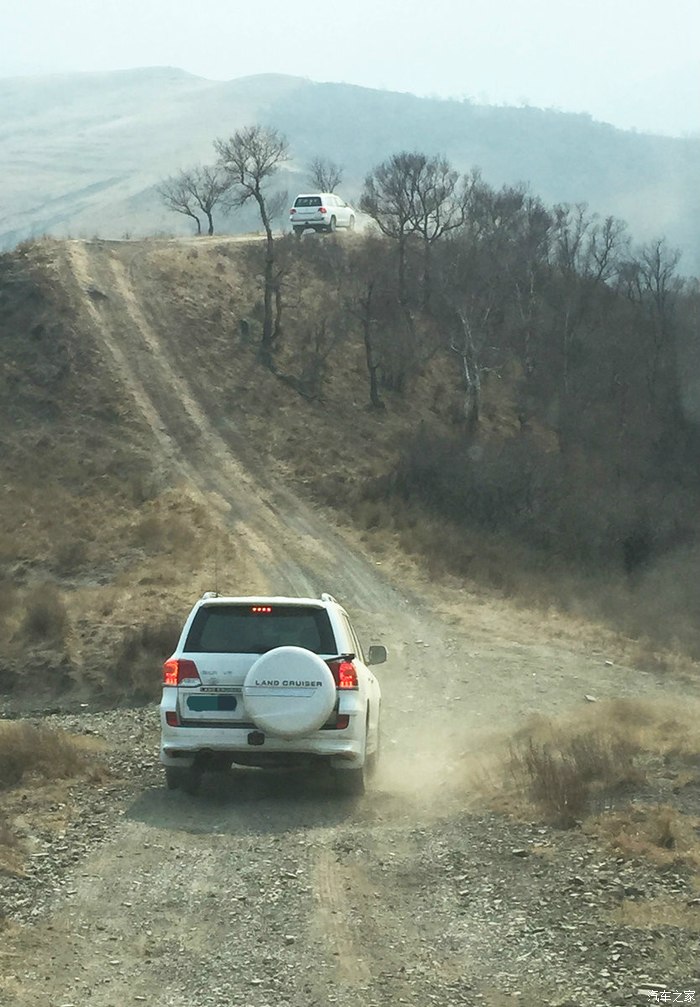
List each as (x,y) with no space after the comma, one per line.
(322,211)
(270,682)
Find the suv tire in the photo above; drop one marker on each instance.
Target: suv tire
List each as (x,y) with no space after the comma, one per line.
(351,224)
(332,225)
(185,779)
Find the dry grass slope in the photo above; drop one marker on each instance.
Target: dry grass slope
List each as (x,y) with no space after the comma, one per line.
(33,750)
(32,755)
(125,541)
(627,771)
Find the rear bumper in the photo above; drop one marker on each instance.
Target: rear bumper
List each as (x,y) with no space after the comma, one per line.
(180,746)
(315,222)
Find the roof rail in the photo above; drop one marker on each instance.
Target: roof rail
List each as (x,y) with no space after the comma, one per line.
(210,594)
(328,597)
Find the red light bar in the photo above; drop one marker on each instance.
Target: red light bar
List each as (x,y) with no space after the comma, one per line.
(261,609)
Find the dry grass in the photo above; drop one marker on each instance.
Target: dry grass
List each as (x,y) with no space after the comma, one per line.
(652,616)
(28,750)
(140,656)
(38,766)
(657,833)
(587,763)
(45,617)
(566,775)
(650,914)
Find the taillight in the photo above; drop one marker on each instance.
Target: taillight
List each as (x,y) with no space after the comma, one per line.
(176,671)
(293,210)
(344,673)
(323,210)
(172,719)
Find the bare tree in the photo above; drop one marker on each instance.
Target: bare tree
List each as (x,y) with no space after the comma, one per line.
(586,254)
(325,174)
(369,300)
(251,157)
(650,281)
(469,296)
(177,195)
(389,198)
(208,185)
(412,194)
(439,207)
(199,188)
(473,288)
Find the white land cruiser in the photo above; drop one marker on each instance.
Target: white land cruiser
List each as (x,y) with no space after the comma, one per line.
(321,211)
(269,682)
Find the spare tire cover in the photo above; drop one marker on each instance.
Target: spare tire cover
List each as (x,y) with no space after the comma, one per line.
(289,692)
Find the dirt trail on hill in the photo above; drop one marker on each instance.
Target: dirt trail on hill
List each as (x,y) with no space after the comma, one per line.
(269,892)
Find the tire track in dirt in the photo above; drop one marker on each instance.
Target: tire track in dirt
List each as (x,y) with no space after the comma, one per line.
(178,425)
(282,533)
(369,925)
(336,889)
(83,273)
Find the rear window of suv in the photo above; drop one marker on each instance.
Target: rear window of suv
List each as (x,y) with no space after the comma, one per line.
(308,201)
(255,629)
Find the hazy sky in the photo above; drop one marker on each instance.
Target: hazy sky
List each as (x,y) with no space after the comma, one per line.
(635,63)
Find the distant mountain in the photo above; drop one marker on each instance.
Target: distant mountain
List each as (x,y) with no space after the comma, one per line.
(81,153)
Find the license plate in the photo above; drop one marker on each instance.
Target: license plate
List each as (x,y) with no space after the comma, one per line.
(201,703)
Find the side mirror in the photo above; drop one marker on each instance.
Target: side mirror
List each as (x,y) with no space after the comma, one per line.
(377,655)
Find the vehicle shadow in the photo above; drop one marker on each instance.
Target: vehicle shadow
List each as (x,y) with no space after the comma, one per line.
(248,802)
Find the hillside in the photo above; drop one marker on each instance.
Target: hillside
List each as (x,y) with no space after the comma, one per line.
(147,455)
(147,504)
(81,153)
(131,388)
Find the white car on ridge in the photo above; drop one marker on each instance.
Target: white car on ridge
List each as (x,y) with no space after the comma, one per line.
(321,211)
(269,682)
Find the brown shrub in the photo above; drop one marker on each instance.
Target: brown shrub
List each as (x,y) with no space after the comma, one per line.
(565,775)
(69,556)
(592,766)
(140,658)
(45,617)
(164,532)
(28,749)
(659,833)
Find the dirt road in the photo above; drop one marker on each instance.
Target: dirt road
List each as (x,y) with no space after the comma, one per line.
(269,891)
